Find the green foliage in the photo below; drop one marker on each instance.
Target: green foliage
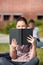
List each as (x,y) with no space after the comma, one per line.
(10,25)
(38,23)
(5,29)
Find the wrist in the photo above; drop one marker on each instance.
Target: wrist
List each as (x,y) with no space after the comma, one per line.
(34,45)
(11,46)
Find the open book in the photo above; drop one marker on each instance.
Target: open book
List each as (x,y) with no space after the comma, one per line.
(20,35)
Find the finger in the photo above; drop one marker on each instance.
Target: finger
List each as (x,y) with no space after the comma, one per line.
(14,41)
(27,56)
(29,38)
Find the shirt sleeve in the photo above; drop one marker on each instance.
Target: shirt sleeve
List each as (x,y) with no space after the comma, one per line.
(36,33)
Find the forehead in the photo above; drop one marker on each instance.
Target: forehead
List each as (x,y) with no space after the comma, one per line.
(20,23)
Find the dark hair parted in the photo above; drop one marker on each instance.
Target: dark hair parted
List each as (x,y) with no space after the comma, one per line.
(21,19)
(31,21)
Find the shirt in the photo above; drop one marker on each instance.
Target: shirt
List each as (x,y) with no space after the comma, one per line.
(35,32)
(23,53)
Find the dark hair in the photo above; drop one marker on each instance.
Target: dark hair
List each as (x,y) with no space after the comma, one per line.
(31,21)
(21,19)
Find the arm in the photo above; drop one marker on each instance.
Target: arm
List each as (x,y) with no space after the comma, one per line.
(13,51)
(33,50)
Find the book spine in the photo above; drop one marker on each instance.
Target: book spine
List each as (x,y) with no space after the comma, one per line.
(22,36)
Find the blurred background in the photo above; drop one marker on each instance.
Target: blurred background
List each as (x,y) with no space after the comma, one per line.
(10,10)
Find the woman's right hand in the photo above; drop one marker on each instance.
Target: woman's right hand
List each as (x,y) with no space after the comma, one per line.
(14,43)
(13,52)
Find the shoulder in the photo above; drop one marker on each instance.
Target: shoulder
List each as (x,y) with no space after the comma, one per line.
(36,28)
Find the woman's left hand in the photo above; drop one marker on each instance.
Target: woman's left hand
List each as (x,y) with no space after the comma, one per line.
(31,40)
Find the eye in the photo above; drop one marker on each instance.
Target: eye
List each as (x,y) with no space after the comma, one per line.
(23,25)
(18,26)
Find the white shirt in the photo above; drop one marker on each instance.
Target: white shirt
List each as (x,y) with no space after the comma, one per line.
(35,32)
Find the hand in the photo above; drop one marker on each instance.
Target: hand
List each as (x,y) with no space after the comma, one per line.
(31,40)
(14,43)
(13,52)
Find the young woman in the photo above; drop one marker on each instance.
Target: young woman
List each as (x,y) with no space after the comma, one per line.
(22,54)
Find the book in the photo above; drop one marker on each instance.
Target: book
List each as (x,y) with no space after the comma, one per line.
(20,35)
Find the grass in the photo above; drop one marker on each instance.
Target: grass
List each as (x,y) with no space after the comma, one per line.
(5,48)
(40,55)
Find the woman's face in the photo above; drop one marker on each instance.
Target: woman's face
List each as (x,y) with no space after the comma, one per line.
(21,25)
